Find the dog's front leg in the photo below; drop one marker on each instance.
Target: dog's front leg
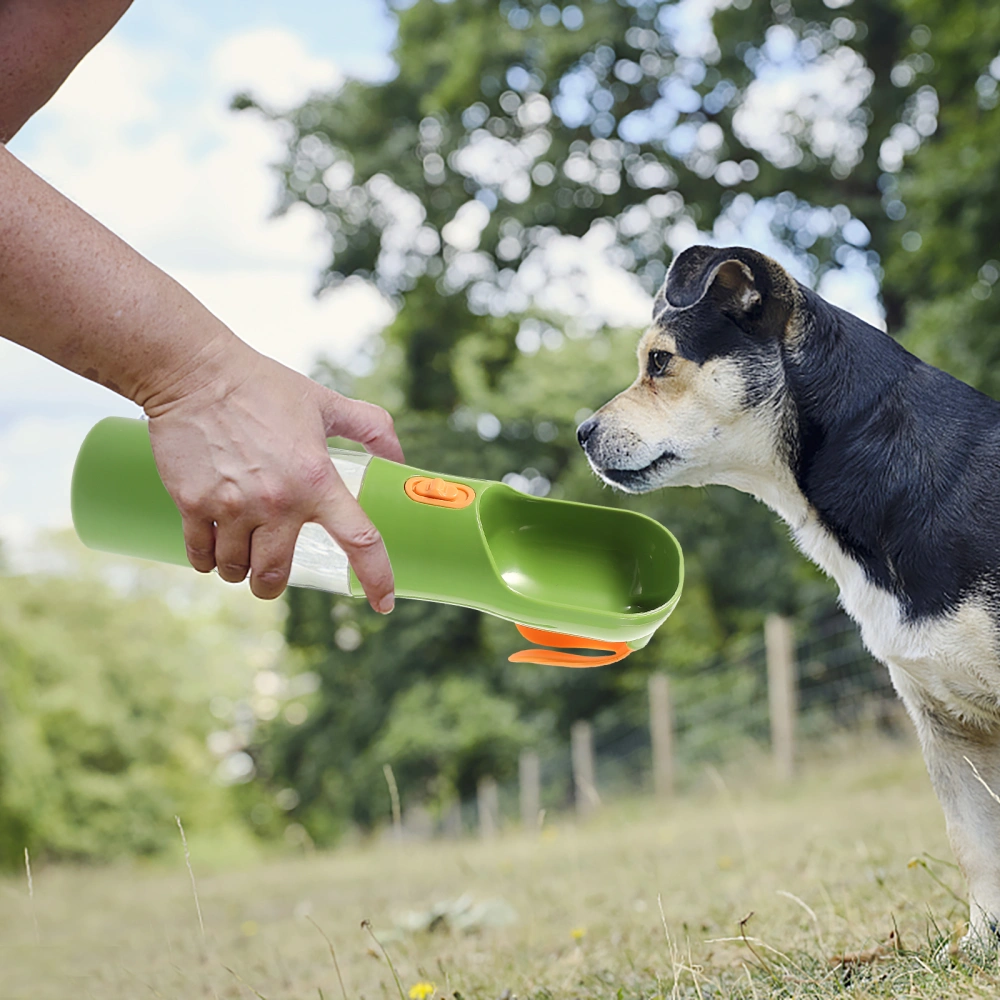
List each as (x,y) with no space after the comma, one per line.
(963,760)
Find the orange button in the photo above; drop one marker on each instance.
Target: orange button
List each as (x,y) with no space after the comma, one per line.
(436,489)
(439,492)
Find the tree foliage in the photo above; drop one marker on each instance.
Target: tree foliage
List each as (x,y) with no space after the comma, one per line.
(103,718)
(944,257)
(849,138)
(129,693)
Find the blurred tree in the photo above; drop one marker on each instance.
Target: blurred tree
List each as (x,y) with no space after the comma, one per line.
(510,122)
(103,719)
(636,123)
(129,693)
(943,189)
(444,736)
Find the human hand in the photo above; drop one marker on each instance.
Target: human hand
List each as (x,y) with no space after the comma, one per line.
(239,440)
(240,443)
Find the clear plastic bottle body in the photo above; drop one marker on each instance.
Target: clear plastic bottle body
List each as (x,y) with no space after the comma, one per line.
(319,562)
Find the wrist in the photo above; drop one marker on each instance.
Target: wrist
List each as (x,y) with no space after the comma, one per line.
(208,372)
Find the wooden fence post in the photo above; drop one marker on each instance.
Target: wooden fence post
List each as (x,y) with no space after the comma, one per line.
(529,783)
(781,692)
(488,802)
(452,823)
(582,744)
(661,730)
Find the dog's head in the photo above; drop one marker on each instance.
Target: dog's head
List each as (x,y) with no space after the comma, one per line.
(710,384)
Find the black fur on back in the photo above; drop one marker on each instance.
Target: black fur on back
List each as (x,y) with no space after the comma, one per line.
(900,460)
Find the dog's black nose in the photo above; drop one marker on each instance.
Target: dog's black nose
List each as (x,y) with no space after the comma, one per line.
(585,430)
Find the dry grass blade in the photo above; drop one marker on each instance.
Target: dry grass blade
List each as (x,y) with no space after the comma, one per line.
(795,899)
(194,885)
(31,895)
(333,955)
(744,938)
(366,924)
(194,892)
(982,780)
(735,815)
(243,982)
(920,863)
(765,965)
(397,819)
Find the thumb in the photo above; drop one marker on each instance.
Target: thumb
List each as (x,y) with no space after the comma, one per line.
(359,421)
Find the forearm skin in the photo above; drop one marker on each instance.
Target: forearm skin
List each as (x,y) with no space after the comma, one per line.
(41,41)
(74,292)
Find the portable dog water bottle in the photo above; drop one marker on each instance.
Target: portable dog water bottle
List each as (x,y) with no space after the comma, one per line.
(569,575)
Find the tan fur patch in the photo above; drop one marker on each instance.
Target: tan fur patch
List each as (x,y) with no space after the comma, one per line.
(683,377)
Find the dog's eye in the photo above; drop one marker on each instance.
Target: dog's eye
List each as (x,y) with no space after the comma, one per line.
(658,362)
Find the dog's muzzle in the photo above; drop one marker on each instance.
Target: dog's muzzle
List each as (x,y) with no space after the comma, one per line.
(630,479)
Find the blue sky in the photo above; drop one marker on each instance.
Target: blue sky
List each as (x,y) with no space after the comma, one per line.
(356,36)
(351,32)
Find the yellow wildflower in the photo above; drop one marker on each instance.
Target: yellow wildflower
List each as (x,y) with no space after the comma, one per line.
(421,991)
(577,933)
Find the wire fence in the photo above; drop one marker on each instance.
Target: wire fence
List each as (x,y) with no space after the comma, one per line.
(718,715)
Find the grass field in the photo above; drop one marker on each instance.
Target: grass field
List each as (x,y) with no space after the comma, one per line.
(741,889)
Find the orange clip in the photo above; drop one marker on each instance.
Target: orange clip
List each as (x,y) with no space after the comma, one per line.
(556,658)
(439,492)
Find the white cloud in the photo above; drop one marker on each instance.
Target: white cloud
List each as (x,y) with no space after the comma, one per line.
(111,88)
(191,186)
(273,65)
(286,322)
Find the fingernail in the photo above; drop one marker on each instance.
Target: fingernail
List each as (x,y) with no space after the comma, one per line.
(386,604)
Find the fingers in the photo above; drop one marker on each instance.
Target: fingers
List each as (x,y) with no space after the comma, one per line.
(232,549)
(264,549)
(350,527)
(271,549)
(266,552)
(199,539)
(363,422)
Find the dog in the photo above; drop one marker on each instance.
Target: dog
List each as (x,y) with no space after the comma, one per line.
(887,471)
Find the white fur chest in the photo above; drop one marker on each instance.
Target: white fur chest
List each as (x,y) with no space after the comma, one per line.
(953,658)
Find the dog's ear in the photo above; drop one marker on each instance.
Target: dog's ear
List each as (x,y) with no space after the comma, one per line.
(741,281)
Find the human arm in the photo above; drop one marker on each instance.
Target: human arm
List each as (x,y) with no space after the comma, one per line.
(240,441)
(41,41)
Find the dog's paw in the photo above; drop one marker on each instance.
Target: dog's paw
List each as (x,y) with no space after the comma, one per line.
(978,944)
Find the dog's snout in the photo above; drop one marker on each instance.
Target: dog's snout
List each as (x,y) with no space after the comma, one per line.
(585,430)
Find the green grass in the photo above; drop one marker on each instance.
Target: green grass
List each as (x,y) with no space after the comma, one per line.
(761,886)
